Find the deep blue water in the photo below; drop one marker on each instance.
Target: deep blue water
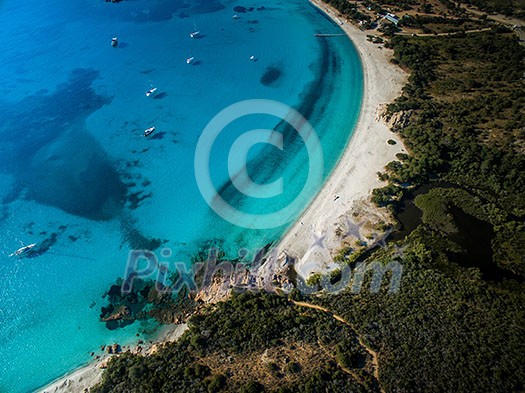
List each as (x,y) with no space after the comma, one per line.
(78,178)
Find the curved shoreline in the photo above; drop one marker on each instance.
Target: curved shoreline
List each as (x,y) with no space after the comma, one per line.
(367,152)
(367,147)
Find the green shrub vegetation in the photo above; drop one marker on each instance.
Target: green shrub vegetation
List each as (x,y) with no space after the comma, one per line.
(506,7)
(466,100)
(244,325)
(451,327)
(446,330)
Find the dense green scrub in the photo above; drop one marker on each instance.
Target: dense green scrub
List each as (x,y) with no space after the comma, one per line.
(506,7)
(446,330)
(466,107)
(231,334)
(451,328)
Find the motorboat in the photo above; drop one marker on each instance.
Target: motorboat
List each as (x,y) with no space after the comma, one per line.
(149,131)
(195,33)
(151,91)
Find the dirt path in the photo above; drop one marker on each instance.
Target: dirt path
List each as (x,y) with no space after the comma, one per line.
(445,34)
(372,353)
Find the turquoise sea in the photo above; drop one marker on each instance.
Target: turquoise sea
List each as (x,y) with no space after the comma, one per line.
(78,178)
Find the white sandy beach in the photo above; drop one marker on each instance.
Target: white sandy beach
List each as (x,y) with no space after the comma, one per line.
(352,181)
(85,377)
(367,153)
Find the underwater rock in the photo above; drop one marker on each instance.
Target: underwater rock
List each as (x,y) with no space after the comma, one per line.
(54,160)
(270,76)
(240,9)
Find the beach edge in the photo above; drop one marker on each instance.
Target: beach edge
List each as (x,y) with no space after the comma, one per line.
(366,153)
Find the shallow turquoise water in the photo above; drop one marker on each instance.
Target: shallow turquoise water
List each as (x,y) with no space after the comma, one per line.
(77,177)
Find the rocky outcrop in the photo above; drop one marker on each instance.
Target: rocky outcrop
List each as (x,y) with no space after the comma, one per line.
(395,121)
(219,290)
(399,120)
(121,313)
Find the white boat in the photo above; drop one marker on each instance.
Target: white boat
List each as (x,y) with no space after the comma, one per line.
(22,250)
(253,58)
(195,33)
(190,60)
(235,16)
(151,91)
(149,131)
(114,41)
